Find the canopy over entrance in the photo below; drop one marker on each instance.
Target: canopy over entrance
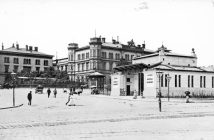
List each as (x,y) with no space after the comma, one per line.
(131,67)
(95,74)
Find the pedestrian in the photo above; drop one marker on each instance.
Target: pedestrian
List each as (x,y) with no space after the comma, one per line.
(29,97)
(55,92)
(70,101)
(49,92)
(135,94)
(187,96)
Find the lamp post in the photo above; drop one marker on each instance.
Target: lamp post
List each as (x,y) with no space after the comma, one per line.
(159,74)
(168,80)
(13,74)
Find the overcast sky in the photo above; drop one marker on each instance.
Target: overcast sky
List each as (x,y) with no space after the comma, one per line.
(52,24)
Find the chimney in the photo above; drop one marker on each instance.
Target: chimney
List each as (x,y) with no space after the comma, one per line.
(26,47)
(103,40)
(193,52)
(17,46)
(30,48)
(143,45)
(36,49)
(13,45)
(118,39)
(2,46)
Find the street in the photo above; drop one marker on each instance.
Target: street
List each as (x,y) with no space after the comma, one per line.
(103,117)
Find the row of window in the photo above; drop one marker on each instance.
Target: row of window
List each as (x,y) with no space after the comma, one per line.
(94,65)
(190,82)
(15,68)
(95,53)
(25,61)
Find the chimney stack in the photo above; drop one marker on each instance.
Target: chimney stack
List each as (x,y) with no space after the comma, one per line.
(26,47)
(2,46)
(36,49)
(13,46)
(17,46)
(144,45)
(30,48)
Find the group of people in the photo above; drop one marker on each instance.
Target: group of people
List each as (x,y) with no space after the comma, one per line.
(70,101)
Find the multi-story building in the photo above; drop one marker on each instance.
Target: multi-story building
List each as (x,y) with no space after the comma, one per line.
(16,59)
(164,71)
(100,56)
(61,64)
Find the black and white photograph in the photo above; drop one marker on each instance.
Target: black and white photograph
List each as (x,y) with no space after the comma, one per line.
(106,70)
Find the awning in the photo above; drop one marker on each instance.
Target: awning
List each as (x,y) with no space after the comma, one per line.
(139,66)
(96,74)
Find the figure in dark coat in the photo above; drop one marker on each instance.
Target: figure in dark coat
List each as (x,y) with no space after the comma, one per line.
(49,92)
(55,92)
(29,97)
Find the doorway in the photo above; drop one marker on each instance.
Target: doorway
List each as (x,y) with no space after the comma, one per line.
(128,90)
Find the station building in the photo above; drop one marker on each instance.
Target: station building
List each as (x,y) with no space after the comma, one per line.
(16,59)
(93,64)
(171,73)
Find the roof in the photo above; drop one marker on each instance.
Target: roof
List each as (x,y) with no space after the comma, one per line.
(180,68)
(22,51)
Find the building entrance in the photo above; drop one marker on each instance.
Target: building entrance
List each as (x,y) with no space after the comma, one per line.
(128,90)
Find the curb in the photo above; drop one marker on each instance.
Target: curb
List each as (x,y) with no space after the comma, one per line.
(11,107)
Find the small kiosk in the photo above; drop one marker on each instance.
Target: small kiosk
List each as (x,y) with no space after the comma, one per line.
(96,82)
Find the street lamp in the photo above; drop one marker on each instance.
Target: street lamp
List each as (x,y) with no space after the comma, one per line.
(13,74)
(168,78)
(159,74)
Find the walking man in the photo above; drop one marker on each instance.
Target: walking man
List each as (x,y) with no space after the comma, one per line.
(29,97)
(55,92)
(49,92)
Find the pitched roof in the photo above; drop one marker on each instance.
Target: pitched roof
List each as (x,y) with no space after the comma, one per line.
(14,50)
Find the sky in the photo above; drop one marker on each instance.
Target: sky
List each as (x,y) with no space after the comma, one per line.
(51,25)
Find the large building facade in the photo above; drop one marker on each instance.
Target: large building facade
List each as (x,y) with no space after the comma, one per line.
(100,57)
(171,73)
(16,59)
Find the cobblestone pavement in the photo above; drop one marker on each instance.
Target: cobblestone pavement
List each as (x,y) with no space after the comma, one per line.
(103,117)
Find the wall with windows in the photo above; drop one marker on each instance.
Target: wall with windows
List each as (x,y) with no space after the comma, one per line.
(181,81)
(11,63)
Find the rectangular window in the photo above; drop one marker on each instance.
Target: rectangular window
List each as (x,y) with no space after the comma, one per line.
(200,81)
(175,80)
(6,60)
(127,57)
(110,55)
(6,68)
(37,69)
(103,54)
(128,80)
(45,62)
(78,67)
(204,81)
(161,80)
(71,57)
(83,65)
(212,81)
(104,66)
(87,65)
(16,60)
(192,80)
(37,62)
(15,68)
(79,57)
(87,55)
(132,56)
(188,80)
(83,56)
(166,80)
(94,53)
(110,65)
(179,80)
(27,61)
